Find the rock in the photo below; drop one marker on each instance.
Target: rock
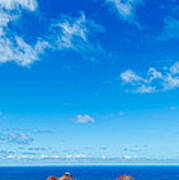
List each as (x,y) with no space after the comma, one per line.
(66,176)
(51,178)
(125,177)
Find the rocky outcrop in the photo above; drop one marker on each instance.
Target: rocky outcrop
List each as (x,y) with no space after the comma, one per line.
(125,177)
(66,176)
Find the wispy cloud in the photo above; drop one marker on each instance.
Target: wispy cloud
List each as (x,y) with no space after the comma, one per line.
(16,138)
(103,148)
(45,131)
(171,29)
(68,33)
(83,158)
(19,138)
(16,4)
(34,156)
(127,157)
(78,34)
(126,9)
(153,80)
(72,30)
(83,119)
(121,113)
(6,152)
(129,76)
(13,48)
(37,149)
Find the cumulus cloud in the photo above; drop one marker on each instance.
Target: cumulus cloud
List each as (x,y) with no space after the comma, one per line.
(153,80)
(125,9)
(83,119)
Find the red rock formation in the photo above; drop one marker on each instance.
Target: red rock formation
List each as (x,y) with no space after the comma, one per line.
(66,176)
(125,177)
(51,178)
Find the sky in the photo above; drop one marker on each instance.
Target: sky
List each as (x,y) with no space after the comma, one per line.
(89,82)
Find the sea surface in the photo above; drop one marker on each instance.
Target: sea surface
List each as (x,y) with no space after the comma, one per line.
(91,172)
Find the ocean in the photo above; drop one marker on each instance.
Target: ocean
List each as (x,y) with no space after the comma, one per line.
(91,172)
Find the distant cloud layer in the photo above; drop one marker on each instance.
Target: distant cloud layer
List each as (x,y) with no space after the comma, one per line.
(153,80)
(16,138)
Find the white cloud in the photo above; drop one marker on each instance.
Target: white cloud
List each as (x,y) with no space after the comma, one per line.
(55,157)
(126,9)
(19,157)
(153,80)
(145,89)
(76,156)
(14,4)
(83,119)
(129,76)
(22,53)
(171,82)
(154,74)
(78,34)
(126,157)
(72,30)
(18,138)
(175,68)
(69,33)
(51,157)
(104,157)
(12,47)
(37,149)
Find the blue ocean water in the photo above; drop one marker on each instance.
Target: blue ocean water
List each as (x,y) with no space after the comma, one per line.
(91,172)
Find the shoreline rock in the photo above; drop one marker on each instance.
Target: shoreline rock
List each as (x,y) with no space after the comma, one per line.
(68,176)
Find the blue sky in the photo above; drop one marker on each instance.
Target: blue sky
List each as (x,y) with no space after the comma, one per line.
(86,82)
